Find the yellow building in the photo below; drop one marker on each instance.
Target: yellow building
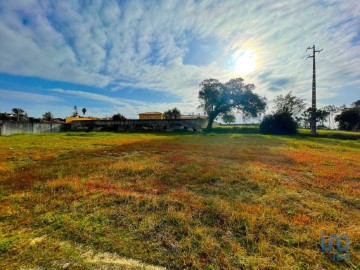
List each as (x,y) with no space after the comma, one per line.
(150,115)
(69,119)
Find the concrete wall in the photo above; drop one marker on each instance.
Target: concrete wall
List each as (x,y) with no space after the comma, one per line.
(9,128)
(137,125)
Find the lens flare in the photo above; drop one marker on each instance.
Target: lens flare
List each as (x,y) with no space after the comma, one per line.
(245,62)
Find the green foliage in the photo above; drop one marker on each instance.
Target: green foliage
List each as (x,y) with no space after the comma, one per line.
(172,114)
(222,98)
(349,119)
(321,117)
(83,111)
(118,117)
(281,123)
(229,118)
(6,244)
(48,116)
(289,104)
(356,103)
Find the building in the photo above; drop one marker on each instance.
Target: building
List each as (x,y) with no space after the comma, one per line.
(69,119)
(150,115)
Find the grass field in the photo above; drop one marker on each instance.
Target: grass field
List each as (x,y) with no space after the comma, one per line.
(180,201)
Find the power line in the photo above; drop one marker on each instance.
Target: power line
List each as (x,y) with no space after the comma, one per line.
(313,99)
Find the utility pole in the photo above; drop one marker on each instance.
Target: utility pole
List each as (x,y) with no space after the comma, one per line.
(313,100)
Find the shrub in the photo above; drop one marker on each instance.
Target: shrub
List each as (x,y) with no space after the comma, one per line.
(278,123)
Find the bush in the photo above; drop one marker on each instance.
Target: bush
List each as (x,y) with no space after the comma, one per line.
(279,123)
(118,117)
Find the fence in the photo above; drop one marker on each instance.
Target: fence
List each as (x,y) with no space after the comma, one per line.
(9,128)
(138,125)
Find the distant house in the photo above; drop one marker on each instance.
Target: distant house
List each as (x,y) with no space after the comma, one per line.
(69,119)
(7,116)
(150,115)
(59,121)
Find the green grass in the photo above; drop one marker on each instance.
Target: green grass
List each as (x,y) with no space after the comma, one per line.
(231,199)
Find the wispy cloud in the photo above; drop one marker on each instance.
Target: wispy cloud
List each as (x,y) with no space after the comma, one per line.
(136,44)
(24,96)
(130,108)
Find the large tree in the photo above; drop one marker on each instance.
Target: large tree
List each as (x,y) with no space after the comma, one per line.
(218,98)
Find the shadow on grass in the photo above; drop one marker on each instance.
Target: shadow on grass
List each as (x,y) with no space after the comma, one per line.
(342,135)
(234,130)
(329,134)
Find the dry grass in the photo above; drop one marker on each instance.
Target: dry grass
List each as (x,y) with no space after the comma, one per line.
(199,201)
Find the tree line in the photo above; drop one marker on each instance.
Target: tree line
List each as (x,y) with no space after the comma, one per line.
(224,100)
(235,96)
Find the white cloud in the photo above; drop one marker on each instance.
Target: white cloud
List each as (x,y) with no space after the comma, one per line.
(24,96)
(136,44)
(130,108)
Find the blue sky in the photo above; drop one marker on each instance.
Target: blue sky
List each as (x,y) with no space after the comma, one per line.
(136,56)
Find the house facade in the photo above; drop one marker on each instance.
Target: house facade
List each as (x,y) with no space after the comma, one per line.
(150,115)
(69,119)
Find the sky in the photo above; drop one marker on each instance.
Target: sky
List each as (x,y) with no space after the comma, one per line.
(133,56)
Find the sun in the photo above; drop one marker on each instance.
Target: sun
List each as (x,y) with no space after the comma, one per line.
(245,62)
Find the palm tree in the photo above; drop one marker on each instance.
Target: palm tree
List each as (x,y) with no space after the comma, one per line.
(75,112)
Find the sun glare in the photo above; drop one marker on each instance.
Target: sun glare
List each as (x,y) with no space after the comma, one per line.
(245,62)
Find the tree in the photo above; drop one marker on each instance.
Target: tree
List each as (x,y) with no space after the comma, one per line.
(118,117)
(20,114)
(229,118)
(289,103)
(48,116)
(83,111)
(356,103)
(223,99)
(349,118)
(172,114)
(320,114)
(75,112)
